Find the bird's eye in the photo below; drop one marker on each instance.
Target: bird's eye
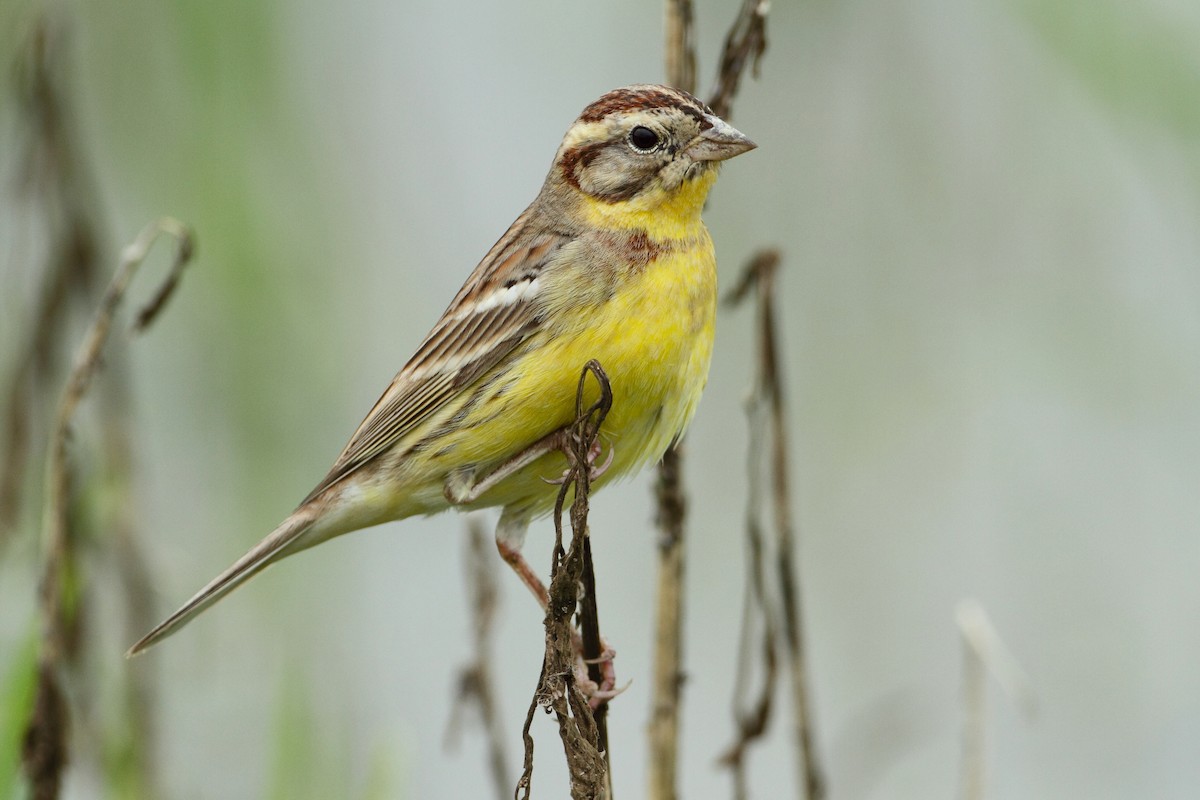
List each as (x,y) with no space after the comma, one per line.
(643,139)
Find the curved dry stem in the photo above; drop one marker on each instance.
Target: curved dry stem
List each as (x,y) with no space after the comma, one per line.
(768,393)
(584,739)
(45,752)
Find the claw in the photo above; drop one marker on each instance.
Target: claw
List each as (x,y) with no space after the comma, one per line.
(594,471)
(597,693)
(604,695)
(607,656)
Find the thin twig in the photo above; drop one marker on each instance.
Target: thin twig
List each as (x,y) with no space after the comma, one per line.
(752,717)
(744,46)
(760,275)
(984,651)
(475,684)
(45,750)
(557,689)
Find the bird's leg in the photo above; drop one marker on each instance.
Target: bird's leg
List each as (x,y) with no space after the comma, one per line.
(510,533)
(512,556)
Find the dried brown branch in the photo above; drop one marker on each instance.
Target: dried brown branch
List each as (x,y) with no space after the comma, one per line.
(557,691)
(751,717)
(57,179)
(475,684)
(680,45)
(47,730)
(589,621)
(744,46)
(668,678)
(667,686)
(746,37)
(760,275)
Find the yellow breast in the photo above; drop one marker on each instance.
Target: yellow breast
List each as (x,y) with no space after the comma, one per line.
(652,334)
(638,294)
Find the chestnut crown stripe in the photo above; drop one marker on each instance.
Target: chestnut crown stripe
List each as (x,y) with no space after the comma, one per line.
(646,98)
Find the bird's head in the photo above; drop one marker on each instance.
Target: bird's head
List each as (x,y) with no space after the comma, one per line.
(639,148)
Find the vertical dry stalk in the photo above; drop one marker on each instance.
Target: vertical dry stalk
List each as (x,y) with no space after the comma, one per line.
(45,747)
(557,691)
(760,274)
(680,45)
(753,716)
(55,175)
(984,651)
(58,182)
(668,651)
(784,526)
(974,699)
(667,684)
(475,684)
(745,41)
(589,619)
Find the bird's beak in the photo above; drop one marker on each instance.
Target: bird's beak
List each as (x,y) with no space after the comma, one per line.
(719,142)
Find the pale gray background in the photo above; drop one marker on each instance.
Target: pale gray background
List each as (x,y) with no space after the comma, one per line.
(988,213)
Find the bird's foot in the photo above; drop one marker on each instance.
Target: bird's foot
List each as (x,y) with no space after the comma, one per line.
(594,470)
(597,693)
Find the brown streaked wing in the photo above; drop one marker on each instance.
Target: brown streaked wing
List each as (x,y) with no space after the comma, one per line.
(472,335)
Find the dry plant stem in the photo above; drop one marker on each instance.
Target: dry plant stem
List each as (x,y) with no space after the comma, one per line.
(746,38)
(680,45)
(761,275)
(785,538)
(984,651)
(589,619)
(667,684)
(59,182)
(475,683)
(55,173)
(753,717)
(586,753)
(744,46)
(974,699)
(33,364)
(668,652)
(45,748)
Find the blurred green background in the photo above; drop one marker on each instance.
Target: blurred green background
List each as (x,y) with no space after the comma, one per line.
(989,217)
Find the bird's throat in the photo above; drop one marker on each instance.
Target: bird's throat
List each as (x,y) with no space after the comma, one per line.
(664,215)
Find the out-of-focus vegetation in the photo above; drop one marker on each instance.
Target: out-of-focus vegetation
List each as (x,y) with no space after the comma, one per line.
(988,219)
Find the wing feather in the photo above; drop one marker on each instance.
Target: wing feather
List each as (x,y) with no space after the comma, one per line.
(496,309)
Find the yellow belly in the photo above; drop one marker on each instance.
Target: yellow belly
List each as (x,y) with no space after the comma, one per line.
(654,339)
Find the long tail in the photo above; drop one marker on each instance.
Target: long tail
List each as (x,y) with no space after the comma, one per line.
(282,541)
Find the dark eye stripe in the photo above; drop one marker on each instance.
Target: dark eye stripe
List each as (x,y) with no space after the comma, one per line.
(576,160)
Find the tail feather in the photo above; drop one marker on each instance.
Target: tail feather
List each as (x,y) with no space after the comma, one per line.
(282,541)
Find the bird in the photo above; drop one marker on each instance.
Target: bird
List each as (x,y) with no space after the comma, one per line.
(611,262)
